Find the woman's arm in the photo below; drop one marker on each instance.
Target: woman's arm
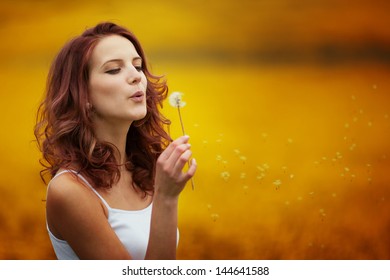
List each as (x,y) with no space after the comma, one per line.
(170,181)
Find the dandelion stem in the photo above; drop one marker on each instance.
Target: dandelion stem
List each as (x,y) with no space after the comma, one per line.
(181,121)
(182,129)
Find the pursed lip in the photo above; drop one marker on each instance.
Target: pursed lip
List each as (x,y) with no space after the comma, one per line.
(137,94)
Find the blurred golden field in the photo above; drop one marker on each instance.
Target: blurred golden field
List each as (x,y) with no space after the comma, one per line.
(288,109)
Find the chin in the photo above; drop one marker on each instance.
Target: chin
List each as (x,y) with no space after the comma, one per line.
(140,116)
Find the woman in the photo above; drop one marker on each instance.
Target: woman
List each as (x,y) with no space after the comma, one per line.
(115,181)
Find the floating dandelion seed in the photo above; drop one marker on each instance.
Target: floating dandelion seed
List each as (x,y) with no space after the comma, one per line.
(277,183)
(175,100)
(266,166)
(214,217)
(237,151)
(243,175)
(218,158)
(225,175)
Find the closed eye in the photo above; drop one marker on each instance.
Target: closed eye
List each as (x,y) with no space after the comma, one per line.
(138,68)
(113,71)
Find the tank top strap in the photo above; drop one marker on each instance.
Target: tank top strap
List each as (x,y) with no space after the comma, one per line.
(85,181)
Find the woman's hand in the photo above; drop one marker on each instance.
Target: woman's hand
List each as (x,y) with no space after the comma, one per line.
(170,178)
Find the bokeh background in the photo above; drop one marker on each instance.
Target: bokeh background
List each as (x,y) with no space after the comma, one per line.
(288,106)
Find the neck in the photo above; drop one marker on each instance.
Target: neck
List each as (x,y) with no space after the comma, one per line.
(114,134)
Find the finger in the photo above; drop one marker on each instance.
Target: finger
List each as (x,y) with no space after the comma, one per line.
(181,162)
(171,147)
(191,171)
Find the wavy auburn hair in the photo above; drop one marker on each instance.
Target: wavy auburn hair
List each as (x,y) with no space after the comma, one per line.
(64,129)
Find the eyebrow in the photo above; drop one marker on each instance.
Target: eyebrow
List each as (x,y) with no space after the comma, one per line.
(121,60)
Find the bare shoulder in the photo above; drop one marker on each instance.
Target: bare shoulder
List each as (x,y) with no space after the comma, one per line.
(76,214)
(67,196)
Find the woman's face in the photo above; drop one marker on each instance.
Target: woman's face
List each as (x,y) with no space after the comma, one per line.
(117,84)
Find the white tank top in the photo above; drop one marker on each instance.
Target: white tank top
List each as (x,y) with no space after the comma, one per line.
(131,227)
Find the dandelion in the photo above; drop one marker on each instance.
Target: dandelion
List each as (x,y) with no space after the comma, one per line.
(175,100)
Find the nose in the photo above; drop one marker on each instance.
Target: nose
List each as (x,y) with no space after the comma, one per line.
(134,76)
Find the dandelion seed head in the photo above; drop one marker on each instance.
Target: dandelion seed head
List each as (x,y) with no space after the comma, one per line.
(176,100)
